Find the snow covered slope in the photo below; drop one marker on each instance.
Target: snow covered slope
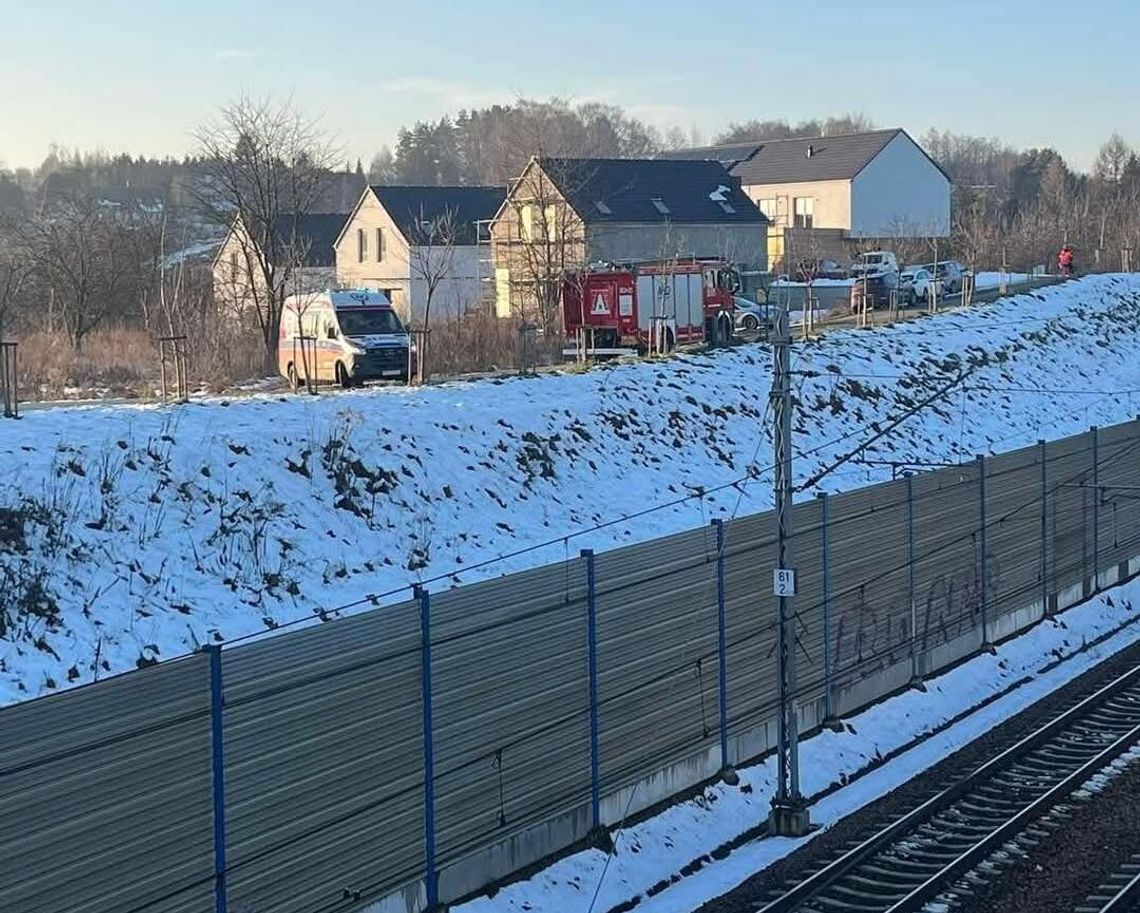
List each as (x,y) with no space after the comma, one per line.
(132,534)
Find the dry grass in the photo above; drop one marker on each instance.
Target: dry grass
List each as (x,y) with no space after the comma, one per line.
(481,342)
(113,362)
(125,362)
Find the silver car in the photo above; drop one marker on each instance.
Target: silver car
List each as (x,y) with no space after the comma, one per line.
(751,317)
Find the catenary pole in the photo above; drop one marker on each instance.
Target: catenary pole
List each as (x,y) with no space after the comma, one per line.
(789,816)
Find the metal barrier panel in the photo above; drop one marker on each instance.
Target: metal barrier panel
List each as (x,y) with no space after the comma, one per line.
(323,764)
(869,580)
(106,792)
(511,706)
(807,559)
(1013,529)
(1119,481)
(750,613)
(947,520)
(1070,525)
(105,796)
(657,654)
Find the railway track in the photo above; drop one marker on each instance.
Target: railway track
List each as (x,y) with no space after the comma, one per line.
(1119,894)
(924,855)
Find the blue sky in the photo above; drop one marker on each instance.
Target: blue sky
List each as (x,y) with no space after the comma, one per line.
(139,76)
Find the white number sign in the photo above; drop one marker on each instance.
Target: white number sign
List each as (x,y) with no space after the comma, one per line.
(784,582)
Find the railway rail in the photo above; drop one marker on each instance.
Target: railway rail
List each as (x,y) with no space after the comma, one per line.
(1119,894)
(923,855)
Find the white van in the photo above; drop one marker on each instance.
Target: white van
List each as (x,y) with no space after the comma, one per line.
(877,263)
(342,337)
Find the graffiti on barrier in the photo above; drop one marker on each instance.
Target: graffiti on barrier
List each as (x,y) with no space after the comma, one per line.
(871,632)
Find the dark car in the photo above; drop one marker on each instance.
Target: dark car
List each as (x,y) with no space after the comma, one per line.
(810,270)
(877,291)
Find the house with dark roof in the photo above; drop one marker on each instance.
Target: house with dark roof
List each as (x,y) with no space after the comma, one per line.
(564,213)
(425,247)
(853,188)
(300,245)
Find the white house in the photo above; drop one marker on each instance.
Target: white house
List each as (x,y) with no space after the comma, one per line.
(416,243)
(299,248)
(859,186)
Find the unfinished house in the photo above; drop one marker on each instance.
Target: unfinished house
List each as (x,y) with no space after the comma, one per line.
(564,213)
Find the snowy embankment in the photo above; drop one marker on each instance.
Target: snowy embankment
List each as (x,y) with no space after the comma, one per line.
(683,838)
(129,535)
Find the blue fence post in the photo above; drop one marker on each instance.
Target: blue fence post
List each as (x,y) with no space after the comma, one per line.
(721,646)
(1095,432)
(431,874)
(217,743)
(1043,455)
(592,651)
(983,584)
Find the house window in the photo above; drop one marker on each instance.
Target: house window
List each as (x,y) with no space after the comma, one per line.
(528,223)
(804,209)
(379,245)
(551,216)
(361,245)
(233,264)
(659,205)
(768,207)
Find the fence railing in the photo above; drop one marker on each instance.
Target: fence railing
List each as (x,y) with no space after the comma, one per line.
(408,755)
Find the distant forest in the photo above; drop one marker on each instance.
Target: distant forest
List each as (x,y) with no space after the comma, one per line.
(490,146)
(1013,204)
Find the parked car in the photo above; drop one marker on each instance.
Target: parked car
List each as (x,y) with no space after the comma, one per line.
(878,292)
(951,272)
(810,270)
(752,317)
(916,283)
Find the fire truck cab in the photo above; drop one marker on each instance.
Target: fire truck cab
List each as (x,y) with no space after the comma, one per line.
(625,309)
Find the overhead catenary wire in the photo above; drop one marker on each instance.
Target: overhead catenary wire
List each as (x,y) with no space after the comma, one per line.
(378,598)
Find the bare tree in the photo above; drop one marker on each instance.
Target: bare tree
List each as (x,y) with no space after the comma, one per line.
(431,255)
(84,255)
(13,274)
(431,262)
(265,167)
(1111,158)
(542,238)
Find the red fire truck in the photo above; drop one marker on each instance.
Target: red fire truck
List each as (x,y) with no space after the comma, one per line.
(617,309)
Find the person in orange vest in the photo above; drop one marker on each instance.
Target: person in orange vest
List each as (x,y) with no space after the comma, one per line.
(1065,260)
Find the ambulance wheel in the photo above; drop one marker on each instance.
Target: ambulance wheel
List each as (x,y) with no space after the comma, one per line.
(750,323)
